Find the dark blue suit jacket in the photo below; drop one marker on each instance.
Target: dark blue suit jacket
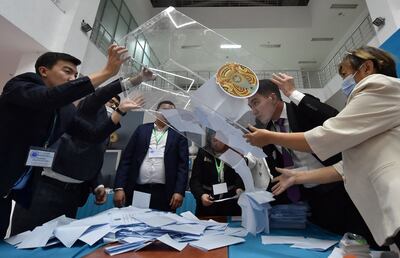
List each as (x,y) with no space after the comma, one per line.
(27,111)
(176,160)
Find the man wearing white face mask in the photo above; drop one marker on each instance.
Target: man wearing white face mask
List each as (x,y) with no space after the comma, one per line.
(303,113)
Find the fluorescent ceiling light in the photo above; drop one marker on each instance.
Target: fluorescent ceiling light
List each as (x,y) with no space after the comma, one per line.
(230,46)
(307,62)
(321,39)
(190,46)
(344,6)
(270,45)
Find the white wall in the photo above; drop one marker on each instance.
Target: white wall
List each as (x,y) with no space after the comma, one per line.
(54,29)
(390,10)
(76,40)
(24,15)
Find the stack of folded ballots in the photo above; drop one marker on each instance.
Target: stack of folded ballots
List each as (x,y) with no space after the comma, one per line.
(288,216)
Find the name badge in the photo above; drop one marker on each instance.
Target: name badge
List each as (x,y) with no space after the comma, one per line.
(156,153)
(220,188)
(40,157)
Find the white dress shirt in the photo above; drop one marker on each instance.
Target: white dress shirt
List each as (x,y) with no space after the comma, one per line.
(303,160)
(152,170)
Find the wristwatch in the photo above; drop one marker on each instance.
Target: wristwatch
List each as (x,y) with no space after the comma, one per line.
(120,112)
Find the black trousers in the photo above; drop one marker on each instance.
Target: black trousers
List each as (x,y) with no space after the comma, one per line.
(397,240)
(159,199)
(333,210)
(226,208)
(51,199)
(5,212)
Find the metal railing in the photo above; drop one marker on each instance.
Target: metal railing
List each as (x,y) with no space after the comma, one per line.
(361,36)
(303,79)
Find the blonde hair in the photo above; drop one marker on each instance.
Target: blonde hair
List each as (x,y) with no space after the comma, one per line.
(383,62)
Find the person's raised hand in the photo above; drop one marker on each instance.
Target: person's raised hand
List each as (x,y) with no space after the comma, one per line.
(284,82)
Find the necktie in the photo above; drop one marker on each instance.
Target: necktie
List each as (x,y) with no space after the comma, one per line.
(294,191)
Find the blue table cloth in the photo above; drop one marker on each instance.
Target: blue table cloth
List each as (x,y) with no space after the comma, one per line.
(90,208)
(252,248)
(57,251)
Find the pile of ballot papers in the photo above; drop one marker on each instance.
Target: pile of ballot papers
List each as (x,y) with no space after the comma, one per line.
(289,216)
(353,244)
(255,206)
(132,228)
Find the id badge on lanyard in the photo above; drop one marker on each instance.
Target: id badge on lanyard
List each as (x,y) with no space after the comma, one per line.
(156,152)
(222,187)
(42,156)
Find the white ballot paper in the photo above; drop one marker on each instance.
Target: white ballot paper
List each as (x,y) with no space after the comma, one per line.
(40,236)
(207,243)
(239,165)
(141,200)
(299,242)
(166,239)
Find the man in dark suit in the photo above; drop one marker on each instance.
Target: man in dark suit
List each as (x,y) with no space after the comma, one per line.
(330,205)
(155,161)
(208,171)
(35,110)
(65,187)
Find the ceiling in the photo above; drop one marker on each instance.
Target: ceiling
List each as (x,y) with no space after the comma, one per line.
(12,47)
(227,3)
(282,35)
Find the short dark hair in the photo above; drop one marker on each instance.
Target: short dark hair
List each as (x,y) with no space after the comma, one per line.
(49,59)
(266,86)
(118,98)
(165,102)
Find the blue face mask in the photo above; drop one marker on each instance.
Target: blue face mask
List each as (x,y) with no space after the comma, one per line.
(349,83)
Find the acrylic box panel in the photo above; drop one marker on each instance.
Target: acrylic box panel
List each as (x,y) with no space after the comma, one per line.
(185,55)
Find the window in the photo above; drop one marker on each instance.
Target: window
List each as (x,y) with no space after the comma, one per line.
(113,21)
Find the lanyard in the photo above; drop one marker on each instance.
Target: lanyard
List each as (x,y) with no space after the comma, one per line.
(51,131)
(219,168)
(158,139)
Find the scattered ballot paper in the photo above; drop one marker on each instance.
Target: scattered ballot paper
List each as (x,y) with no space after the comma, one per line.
(299,242)
(207,243)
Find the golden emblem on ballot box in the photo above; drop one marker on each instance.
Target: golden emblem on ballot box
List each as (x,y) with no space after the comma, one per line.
(237,80)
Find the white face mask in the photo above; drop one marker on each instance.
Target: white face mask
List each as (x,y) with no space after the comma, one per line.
(109,110)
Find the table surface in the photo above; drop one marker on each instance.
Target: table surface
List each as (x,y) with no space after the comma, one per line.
(252,248)
(163,251)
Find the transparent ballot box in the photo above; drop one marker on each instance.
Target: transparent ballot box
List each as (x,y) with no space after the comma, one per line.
(208,77)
